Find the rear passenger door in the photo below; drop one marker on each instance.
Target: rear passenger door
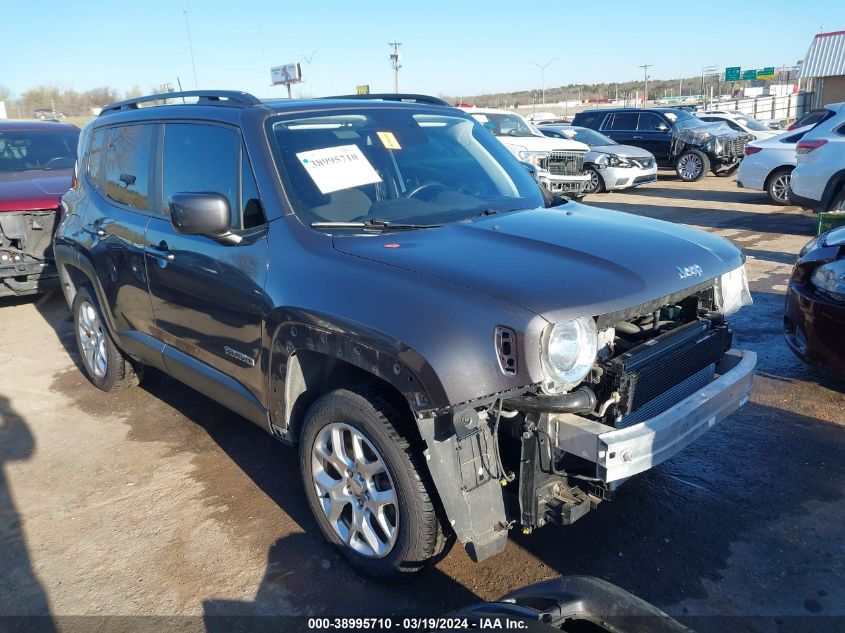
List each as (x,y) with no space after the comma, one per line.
(621,127)
(120,170)
(208,295)
(654,135)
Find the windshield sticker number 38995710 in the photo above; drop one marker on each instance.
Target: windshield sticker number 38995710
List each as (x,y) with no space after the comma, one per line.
(336,168)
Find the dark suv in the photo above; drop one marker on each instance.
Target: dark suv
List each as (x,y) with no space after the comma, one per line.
(677,139)
(381,282)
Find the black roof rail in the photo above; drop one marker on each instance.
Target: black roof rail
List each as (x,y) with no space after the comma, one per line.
(395,96)
(205,97)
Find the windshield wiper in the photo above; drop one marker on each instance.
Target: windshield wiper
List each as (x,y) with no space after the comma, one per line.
(379,225)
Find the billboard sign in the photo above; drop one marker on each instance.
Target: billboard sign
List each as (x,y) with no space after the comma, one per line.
(286,74)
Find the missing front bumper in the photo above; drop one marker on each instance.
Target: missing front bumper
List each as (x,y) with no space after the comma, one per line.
(621,453)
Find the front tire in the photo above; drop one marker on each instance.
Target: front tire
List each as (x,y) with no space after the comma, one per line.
(367,485)
(692,165)
(596,184)
(104,364)
(777,186)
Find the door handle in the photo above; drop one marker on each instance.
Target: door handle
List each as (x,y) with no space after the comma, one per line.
(161,251)
(94,230)
(637,138)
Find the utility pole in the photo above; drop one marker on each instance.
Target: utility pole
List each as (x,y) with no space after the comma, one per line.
(190,46)
(706,70)
(542,68)
(645,68)
(394,60)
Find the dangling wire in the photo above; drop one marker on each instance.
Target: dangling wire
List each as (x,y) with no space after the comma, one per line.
(504,476)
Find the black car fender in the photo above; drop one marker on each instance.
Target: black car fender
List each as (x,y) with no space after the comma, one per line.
(304,345)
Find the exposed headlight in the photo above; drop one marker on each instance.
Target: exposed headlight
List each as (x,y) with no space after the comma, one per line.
(732,291)
(569,351)
(830,279)
(617,161)
(533,158)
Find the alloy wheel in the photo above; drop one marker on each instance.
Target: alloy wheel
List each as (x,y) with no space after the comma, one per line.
(355,490)
(780,187)
(92,338)
(593,185)
(690,166)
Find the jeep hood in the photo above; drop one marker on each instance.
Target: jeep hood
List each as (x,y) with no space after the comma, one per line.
(568,261)
(35,189)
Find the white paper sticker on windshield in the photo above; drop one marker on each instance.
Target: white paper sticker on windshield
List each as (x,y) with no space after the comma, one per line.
(336,168)
(481,118)
(670,115)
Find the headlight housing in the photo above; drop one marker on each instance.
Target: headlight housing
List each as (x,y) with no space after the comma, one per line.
(732,291)
(617,161)
(537,159)
(830,279)
(568,352)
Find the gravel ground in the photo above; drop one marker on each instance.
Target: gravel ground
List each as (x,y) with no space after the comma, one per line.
(157,501)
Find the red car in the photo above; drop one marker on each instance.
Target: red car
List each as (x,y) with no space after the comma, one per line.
(814,317)
(36,167)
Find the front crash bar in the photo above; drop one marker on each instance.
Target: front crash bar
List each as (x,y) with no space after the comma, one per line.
(621,453)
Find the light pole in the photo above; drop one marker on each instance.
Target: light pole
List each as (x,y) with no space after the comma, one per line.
(645,68)
(394,60)
(542,68)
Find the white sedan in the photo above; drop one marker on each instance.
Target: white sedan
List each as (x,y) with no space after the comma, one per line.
(768,164)
(739,122)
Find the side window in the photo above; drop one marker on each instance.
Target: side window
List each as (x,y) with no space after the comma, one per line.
(624,121)
(251,210)
(128,165)
(589,119)
(650,122)
(95,157)
(733,125)
(201,158)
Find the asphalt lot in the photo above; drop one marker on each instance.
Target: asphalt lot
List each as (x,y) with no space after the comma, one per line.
(157,501)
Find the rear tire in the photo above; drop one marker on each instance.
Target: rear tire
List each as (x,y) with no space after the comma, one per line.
(596,184)
(838,203)
(368,487)
(692,165)
(777,185)
(105,365)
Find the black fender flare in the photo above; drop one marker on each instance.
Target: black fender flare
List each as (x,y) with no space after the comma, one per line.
(294,330)
(66,256)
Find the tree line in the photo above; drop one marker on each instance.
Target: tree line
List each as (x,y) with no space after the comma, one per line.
(65,100)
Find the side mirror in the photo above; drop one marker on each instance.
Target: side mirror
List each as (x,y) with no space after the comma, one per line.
(200,214)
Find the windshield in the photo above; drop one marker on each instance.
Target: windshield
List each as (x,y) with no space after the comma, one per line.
(752,124)
(683,119)
(22,150)
(397,165)
(504,124)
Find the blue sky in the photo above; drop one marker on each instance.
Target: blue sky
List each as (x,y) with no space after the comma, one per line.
(456,48)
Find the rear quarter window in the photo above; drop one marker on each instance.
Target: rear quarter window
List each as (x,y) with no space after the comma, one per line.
(128,157)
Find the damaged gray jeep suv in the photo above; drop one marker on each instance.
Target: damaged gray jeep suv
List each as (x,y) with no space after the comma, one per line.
(380,282)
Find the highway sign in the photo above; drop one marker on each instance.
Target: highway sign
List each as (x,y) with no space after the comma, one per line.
(749,74)
(766,73)
(732,73)
(363,89)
